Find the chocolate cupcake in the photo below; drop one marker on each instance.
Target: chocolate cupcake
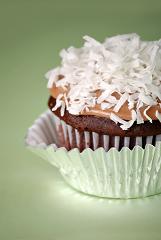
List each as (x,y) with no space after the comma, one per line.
(108,95)
(103,126)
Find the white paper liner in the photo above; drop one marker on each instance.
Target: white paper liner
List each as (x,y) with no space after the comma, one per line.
(102,172)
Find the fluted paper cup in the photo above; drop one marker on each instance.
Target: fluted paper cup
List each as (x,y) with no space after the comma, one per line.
(104,172)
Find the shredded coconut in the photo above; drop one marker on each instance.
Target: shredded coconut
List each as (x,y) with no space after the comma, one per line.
(139,117)
(146,115)
(121,101)
(124,64)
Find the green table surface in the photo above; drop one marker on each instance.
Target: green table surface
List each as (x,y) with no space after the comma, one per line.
(35,203)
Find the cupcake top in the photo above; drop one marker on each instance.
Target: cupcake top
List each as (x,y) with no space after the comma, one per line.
(119,79)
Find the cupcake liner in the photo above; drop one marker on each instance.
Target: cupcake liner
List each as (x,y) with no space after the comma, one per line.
(101,172)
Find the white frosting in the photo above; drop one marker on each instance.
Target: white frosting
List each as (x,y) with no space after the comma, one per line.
(123,64)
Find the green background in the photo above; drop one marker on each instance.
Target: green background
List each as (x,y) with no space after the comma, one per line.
(35,203)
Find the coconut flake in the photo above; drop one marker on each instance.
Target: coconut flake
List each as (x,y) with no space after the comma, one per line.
(128,124)
(62,110)
(106,105)
(146,115)
(124,124)
(121,101)
(53,76)
(58,102)
(117,119)
(139,117)
(91,42)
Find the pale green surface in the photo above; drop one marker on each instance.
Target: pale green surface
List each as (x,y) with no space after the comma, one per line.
(34,201)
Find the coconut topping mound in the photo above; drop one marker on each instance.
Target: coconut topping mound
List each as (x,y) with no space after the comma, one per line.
(123,64)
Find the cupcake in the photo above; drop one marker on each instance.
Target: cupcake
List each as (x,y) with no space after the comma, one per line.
(109,94)
(105,117)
